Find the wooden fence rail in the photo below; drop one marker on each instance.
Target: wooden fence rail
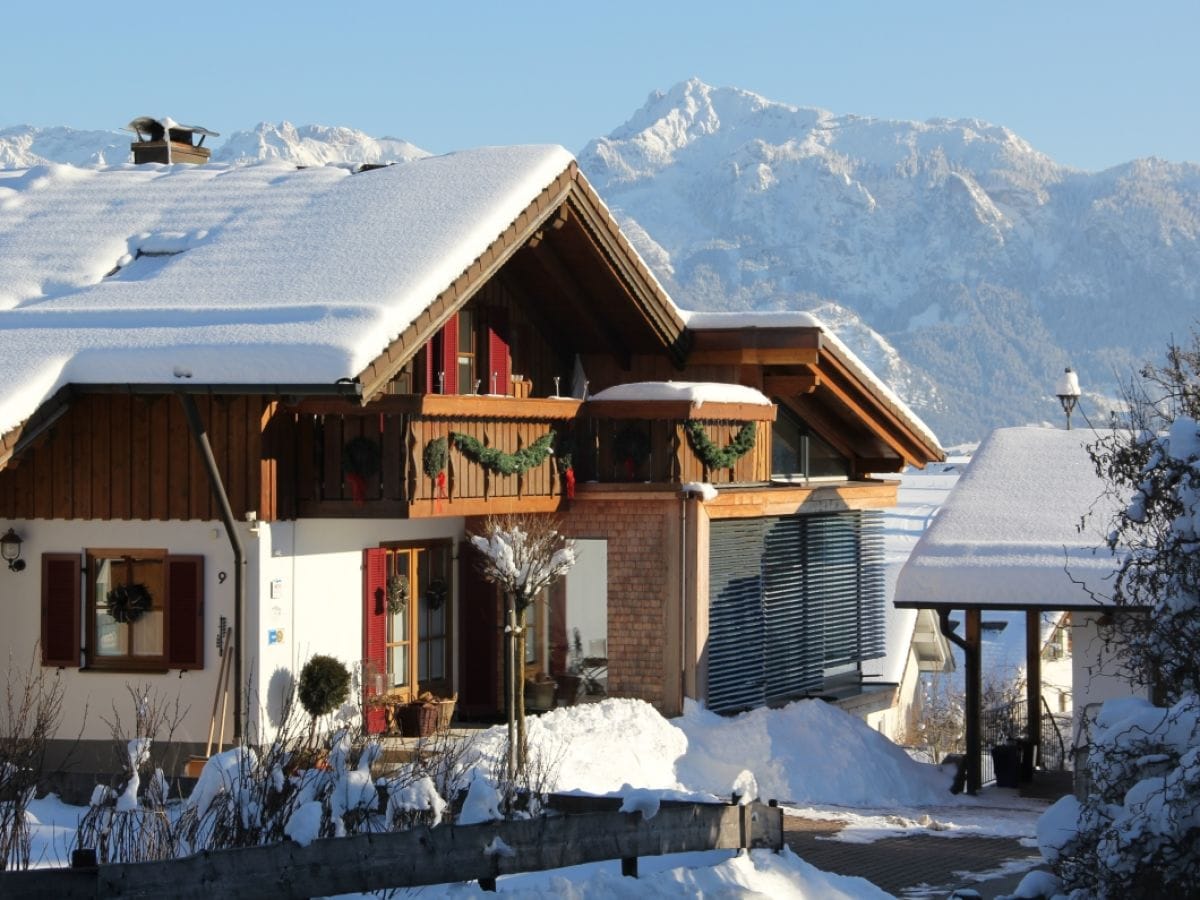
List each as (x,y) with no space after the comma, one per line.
(369,862)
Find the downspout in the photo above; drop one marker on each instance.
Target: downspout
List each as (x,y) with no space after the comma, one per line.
(235,541)
(683,642)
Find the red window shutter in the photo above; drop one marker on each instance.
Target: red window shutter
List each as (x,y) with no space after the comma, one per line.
(375,618)
(450,354)
(185,612)
(499,355)
(60,609)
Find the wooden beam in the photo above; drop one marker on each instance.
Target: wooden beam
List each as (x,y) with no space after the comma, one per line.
(1033,679)
(974,699)
(757,356)
(790,385)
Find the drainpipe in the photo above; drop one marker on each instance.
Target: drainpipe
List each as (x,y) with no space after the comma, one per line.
(235,541)
(683,642)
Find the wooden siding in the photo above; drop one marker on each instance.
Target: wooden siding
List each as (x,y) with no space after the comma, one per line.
(121,457)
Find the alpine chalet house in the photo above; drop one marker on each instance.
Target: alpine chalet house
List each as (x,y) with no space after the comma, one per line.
(259,408)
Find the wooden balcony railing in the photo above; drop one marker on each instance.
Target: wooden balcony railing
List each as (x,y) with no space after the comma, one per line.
(439,455)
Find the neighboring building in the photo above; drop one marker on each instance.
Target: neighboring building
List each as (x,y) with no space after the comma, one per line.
(1023,531)
(361,352)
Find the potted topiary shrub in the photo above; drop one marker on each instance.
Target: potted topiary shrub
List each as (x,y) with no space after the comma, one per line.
(324,686)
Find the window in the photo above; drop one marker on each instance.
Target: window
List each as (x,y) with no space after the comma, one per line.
(466,353)
(142,610)
(798,453)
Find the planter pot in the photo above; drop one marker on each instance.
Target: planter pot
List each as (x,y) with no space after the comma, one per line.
(540,694)
(418,719)
(568,688)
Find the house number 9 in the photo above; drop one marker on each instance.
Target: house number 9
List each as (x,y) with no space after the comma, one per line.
(221,576)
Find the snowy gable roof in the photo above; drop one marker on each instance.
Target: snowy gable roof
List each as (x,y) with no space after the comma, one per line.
(1013,532)
(251,275)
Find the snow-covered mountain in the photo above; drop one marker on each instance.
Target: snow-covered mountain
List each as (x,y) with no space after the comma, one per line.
(305,145)
(987,265)
(24,145)
(312,145)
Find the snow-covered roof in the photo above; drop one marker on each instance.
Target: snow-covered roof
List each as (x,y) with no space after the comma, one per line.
(701,321)
(1024,523)
(696,393)
(260,274)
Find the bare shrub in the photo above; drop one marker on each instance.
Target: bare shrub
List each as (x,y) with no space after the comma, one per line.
(29,719)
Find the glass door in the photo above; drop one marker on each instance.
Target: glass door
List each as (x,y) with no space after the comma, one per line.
(419,619)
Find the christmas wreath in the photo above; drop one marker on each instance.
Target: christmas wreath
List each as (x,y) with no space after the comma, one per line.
(129,602)
(505,463)
(397,593)
(435,593)
(715,457)
(631,448)
(360,461)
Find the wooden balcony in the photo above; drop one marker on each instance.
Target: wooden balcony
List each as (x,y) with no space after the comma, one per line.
(444,455)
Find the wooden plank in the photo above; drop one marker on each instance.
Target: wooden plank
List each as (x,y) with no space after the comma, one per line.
(98,414)
(60,447)
(370,862)
(81,457)
(331,474)
(237,464)
(160,458)
(392,451)
(179,463)
(120,464)
(306,458)
(199,491)
(139,456)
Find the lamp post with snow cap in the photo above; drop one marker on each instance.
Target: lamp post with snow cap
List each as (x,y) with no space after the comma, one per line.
(1067,391)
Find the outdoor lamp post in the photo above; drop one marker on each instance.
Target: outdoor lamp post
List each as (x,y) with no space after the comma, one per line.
(10,551)
(1067,391)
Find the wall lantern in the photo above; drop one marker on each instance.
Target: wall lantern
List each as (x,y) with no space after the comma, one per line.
(1067,391)
(10,551)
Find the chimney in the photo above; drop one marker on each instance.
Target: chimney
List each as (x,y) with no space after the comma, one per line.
(166,141)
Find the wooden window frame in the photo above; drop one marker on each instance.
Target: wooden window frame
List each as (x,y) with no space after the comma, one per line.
(162,662)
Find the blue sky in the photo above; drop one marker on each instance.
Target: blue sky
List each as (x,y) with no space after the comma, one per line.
(1090,84)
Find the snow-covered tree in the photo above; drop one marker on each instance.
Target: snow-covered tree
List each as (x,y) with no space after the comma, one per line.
(1137,833)
(523,555)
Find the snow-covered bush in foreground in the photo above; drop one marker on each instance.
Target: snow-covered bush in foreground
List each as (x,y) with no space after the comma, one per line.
(1136,833)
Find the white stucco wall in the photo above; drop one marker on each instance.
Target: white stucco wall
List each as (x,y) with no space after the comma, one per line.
(303,580)
(1095,670)
(314,569)
(90,695)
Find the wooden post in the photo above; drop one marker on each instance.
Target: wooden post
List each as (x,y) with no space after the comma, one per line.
(629,867)
(1033,681)
(974,689)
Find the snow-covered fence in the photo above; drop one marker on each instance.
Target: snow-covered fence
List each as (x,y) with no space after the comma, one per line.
(368,862)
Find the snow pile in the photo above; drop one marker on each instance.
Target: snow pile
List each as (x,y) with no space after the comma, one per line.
(599,747)
(806,752)
(696,393)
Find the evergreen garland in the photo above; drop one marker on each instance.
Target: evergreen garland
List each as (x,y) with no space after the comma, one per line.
(715,457)
(505,463)
(434,457)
